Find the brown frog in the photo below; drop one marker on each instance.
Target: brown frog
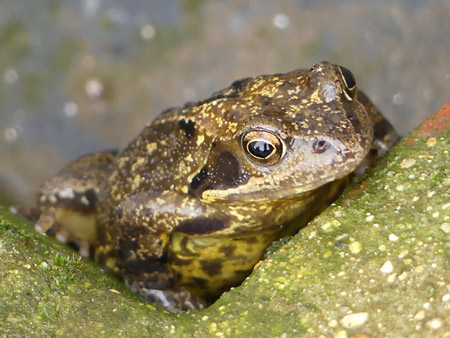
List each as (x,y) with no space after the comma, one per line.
(186,209)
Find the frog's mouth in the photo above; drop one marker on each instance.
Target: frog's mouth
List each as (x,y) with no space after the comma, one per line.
(259,189)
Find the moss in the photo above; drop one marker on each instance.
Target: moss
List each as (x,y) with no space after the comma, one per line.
(46,283)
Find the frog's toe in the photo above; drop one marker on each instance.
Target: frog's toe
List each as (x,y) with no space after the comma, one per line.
(176,300)
(46,221)
(84,248)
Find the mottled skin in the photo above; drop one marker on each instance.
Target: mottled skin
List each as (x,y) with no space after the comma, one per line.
(188,208)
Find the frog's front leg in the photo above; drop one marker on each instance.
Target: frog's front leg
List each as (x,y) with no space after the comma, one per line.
(67,201)
(144,225)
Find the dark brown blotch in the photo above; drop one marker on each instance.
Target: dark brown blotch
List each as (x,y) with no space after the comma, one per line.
(223,171)
(212,267)
(228,250)
(233,115)
(188,127)
(128,239)
(200,226)
(381,129)
(75,203)
(129,262)
(226,171)
(239,85)
(199,282)
(249,240)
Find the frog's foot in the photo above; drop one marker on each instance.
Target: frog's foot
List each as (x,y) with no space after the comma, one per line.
(56,222)
(176,300)
(68,201)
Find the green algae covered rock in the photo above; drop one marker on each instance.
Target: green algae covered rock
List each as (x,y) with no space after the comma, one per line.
(375,264)
(49,290)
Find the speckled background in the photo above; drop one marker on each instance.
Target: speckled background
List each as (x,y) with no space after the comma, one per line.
(82,76)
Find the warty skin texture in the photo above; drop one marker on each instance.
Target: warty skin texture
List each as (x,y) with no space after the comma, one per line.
(187,209)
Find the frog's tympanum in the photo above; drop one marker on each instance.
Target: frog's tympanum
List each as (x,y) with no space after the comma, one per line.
(187,209)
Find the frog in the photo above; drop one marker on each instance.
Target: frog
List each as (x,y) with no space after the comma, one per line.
(186,210)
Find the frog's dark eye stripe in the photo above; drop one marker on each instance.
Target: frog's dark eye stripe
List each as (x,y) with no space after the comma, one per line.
(262,146)
(349,82)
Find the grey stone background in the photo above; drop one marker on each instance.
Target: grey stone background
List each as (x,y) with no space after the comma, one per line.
(78,76)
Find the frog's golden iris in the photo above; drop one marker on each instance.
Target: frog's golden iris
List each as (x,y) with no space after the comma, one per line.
(187,209)
(262,146)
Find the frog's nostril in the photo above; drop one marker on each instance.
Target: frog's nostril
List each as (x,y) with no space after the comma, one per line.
(320,146)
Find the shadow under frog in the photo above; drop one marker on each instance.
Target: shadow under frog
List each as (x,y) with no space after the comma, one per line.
(187,209)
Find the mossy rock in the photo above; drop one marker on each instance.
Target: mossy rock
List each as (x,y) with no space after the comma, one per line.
(375,264)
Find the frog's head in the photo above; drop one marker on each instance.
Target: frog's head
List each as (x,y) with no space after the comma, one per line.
(297,132)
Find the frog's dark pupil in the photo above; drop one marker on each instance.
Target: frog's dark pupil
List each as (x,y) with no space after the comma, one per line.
(348,77)
(260,148)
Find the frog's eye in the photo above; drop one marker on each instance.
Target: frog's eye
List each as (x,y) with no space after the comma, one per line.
(262,146)
(349,83)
